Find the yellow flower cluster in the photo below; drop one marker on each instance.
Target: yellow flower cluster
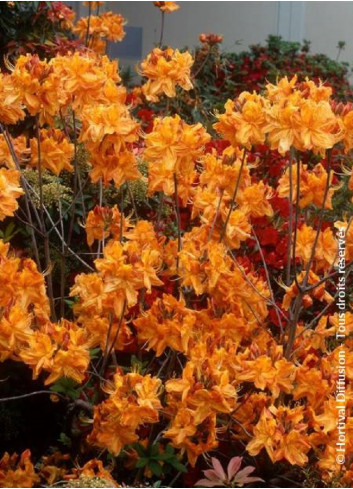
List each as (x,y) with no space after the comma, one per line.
(165,70)
(10,191)
(167,7)
(107,131)
(99,29)
(85,84)
(172,150)
(26,332)
(133,401)
(289,115)
(126,268)
(56,151)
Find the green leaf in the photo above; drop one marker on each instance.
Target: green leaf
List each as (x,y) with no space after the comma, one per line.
(178,466)
(94,352)
(68,387)
(154,450)
(155,468)
(165,456)
(142,462)
(140,450)
(65,440)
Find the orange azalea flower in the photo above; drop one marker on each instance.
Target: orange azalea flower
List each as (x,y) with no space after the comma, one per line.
(22,286)
(120,276)
(281,432)
(106,26)
(312,186)
(165,71)
(106,131)
(164,324)
(97,44)
(243,122)
(191,434)
(107,123)
(90,289)
(87,80)
(238,228)
(119,336)
(315,92)
(31,291)
(11,107)
(282,90)
(319,128)
(38,85)
(56,152)
(347,123)
(276,376)
(334,320)
(283,126)
(311,384)
(210,39)
(318,292)
(133,402)
(72,356)
(20,149)
(38,353)
(103,222)
(173,148)
(295,447)
(221,174)
(167,7)
(15,331)
(112,26)
(326,421)
(202,265)
(119,167)
(305,241)
(10,191)
(253,200)
(17,472)
(264,436)
(71,363)
(325,251)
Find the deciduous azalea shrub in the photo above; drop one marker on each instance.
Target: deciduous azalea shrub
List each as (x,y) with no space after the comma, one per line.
(219,75)
(173,292)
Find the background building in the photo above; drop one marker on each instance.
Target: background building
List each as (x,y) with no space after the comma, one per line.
(241,24)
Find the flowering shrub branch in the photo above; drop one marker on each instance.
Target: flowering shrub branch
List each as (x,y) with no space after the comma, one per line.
(174,288)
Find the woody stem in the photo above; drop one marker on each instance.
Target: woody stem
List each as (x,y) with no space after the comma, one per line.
(236,188)
(88,23)
(177,211)
(162,30)
(46,245)
(27,196)
(297,305)
(290,223)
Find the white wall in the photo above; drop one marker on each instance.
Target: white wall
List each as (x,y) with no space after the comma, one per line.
(243,23)
(248,22)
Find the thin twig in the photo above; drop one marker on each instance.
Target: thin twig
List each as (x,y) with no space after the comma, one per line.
(224,230)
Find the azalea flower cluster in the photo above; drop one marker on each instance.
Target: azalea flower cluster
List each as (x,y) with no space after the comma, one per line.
(230,348)
(26,332)
(165,70)
(86,84)
(290,115)
(96,30)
